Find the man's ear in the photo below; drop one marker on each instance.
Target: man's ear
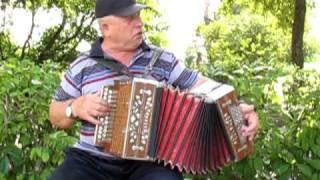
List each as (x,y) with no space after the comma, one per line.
(106,29)
(105,26)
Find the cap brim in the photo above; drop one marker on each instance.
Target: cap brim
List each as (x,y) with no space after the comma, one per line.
(131,10)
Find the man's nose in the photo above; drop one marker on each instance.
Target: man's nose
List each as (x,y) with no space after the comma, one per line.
(138,21)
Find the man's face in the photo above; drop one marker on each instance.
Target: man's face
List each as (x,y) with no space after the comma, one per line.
(125,31)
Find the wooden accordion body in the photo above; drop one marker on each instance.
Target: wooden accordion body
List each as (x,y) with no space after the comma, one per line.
(194,133)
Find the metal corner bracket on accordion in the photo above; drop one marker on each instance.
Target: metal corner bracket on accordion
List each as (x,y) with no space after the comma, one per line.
(152,122)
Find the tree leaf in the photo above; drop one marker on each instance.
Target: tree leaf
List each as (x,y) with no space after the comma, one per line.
(305,169)
(15,155)
(45,155)
(315,177)
(316,149)
(4,165)
(282,169)
(258,164)
(315,163)
(35,152)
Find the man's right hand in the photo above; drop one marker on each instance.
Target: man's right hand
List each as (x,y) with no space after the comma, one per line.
(86,108)
(89,107)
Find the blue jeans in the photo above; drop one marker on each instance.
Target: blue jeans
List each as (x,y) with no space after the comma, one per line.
(80,165)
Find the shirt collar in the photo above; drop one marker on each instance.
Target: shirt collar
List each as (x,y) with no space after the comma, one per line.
(97,52)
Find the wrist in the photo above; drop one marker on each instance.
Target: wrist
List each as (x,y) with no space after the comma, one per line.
(69,112)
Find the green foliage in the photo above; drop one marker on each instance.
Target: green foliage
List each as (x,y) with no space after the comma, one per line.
(242,45)
(283,10)
(288,15)
(244,39)
(251,53)
(294,139)
(288,142)
(311,48)
(7,47)
(29,146)
(154,26)
(59,43)
(245,50)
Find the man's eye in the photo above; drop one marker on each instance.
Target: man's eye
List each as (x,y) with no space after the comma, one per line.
(137,14)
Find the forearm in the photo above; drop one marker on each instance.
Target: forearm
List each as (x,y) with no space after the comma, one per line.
(201,79)
(57,114)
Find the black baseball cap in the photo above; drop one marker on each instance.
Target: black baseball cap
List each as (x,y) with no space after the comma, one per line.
(117,7)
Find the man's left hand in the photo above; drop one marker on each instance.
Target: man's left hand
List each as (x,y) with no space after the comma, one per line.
(250,116)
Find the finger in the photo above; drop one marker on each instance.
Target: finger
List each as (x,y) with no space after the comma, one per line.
(245,117)
(245,108)
(251,129)
(251,137)
(93,120)
(252,122)
(98,93)
(94,113)
(248,133)
(96,98)
(103,102)
(100,106)
(103,109)
(252,125)
(97,102)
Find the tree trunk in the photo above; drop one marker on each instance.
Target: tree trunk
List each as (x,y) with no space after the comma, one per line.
(297,32)
(206,17)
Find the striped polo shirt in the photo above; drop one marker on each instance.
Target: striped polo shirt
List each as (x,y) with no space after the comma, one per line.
(85,76)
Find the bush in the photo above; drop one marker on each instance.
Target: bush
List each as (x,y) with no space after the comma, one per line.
(244,39)
(29,146)
(300,126)
(249,53)
(288,143)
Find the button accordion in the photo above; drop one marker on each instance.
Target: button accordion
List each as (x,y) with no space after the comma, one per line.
(195,132)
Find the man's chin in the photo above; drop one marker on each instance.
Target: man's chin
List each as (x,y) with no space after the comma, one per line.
(133,47)
(138,42)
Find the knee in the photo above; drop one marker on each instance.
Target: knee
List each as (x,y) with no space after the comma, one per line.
(162,173)
(68,174)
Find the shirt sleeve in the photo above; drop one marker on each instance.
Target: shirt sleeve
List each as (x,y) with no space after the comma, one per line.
(70,86)
(180,76)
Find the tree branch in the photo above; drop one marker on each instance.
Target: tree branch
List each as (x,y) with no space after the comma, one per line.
(2,56)
(78,31)
(5,109)
(79,28)
(26,43)
(55,36)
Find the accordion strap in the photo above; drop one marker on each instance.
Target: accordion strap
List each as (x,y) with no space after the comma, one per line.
(113,65)
(155,56)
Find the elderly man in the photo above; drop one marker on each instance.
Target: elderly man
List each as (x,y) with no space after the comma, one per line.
(78,96)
